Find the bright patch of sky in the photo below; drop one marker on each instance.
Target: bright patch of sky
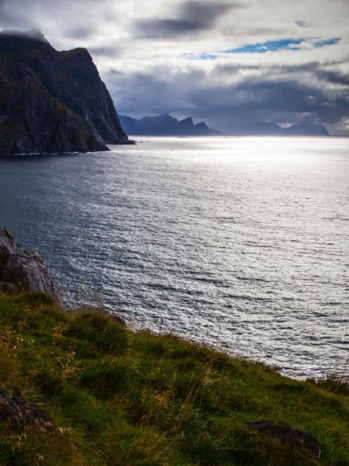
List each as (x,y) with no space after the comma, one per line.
(269,46)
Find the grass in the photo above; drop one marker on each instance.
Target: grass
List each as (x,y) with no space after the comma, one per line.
(123,398)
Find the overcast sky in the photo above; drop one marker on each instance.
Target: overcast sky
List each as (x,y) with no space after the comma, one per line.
(222,61)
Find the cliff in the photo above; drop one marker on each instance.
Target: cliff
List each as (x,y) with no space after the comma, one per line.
(165,125)
(21,269)
(52,101)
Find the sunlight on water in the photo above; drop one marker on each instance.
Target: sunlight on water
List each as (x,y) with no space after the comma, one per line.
(238,242)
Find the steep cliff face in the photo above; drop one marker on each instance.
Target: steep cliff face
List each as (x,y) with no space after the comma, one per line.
(52,101)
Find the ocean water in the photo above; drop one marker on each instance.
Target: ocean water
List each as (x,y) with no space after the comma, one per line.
(240,243)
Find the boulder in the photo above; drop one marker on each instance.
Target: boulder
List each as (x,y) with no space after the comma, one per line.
(21,269)
(289,435)
(22,413)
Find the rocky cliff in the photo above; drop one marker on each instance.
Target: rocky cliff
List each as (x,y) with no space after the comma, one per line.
(21,269)
(52,101)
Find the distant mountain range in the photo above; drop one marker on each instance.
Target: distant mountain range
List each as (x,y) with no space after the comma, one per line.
(165,125)
(272,129)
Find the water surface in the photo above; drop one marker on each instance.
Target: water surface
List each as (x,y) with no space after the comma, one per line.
(242,243)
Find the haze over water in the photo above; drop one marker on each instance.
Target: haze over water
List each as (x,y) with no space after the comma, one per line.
(242,243)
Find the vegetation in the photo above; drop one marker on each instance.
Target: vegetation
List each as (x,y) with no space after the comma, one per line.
(118,397)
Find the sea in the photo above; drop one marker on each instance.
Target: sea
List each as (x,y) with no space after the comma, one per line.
(238,243)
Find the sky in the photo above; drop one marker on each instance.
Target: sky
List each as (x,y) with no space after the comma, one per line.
(227,62)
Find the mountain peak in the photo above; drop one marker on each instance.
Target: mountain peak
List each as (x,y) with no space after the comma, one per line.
(52,101)
(165,125)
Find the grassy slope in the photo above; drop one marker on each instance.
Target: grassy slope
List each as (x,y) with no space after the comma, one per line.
(125,398)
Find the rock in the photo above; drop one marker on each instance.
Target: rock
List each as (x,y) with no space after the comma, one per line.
(21,269)
(52,102)
(22,413)
(286,434)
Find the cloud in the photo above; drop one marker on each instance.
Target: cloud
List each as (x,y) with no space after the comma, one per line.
(191,17)
(203,13)
(106,51)
(302,24)
(12,15)
(229,96)
(221,61)
(79,33)
(169,28)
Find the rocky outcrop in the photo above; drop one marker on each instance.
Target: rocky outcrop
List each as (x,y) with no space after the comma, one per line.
(21,413)
(165,125)
(289,435)
(52,102)
(21,269)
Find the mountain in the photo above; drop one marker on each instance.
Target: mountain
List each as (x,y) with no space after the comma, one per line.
(165,125)
(52,101)
(272,129)
(306,129)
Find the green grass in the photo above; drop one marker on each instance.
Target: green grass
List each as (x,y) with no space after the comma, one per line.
(125,398)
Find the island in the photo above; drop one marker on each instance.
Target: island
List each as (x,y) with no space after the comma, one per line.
(165,125)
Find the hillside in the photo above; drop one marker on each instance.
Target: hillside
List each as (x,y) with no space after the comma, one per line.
(79,388)
(52,101)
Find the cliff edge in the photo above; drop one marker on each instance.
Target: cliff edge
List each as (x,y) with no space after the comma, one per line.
(52,102)
(21,269)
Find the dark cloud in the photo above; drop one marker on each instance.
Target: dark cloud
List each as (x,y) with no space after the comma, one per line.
(32,33)
(14,14)
(266,98)
(153,92)
(110,52)
(204,14)
(280,94)
(335,77)
(229,69)
(325,73)
(169,28)
(79,33)
(302,24)
(190,18)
